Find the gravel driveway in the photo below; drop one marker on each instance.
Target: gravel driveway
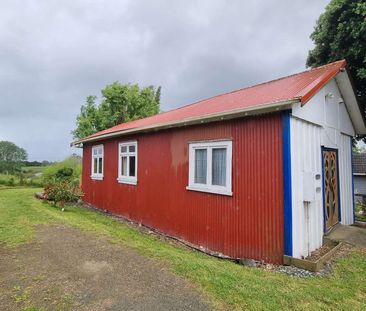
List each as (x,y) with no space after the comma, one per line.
(67,269)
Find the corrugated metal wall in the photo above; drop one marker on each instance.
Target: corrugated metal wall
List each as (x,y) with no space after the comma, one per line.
(323,121)
(307,218)
(247,225)
(345,179)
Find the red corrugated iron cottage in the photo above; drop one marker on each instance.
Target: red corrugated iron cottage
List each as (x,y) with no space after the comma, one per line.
(260,173)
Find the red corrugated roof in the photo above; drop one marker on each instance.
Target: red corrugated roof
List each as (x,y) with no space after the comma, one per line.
(301,86)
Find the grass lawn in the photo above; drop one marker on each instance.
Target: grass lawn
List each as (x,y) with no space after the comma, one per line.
(230,285)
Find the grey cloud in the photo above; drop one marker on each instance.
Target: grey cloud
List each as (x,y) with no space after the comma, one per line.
(53,54)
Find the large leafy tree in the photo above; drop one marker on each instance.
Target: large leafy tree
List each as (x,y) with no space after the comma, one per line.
(119,103)
(340,32)
(11,157)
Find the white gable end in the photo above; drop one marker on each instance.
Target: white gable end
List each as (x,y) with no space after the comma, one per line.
(324,121)
(328,110)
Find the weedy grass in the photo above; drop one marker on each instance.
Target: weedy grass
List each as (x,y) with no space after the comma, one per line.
(32,176)
(229,285)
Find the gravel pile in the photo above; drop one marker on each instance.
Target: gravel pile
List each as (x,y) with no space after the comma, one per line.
(343,251)
(289,270)
(297,272)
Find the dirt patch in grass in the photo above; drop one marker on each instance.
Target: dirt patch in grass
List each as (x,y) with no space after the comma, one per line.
(67,269)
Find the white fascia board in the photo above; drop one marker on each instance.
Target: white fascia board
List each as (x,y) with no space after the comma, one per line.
(227,115)
(350,100)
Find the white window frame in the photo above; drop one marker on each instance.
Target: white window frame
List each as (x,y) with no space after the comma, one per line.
(208,187)
(97,176)
(131,180)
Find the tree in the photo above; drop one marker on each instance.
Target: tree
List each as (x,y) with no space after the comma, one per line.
(358,149)
(11,157)
(120,103)
(87,121)
(340,32)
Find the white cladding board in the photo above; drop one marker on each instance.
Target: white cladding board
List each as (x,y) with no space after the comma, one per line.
(345,180)
(323,121)
(307,217)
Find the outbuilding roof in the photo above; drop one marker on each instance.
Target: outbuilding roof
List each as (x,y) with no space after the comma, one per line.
(273,95)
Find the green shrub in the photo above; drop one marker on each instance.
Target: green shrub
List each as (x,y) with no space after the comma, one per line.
(64,173)
(62,192)
(62,181)
(10,182)
(69,169)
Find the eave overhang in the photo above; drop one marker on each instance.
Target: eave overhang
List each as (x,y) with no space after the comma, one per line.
(226,115)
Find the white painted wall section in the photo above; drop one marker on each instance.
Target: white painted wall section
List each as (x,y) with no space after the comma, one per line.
(327,111)
(345,180)
(307,217)
(323,121)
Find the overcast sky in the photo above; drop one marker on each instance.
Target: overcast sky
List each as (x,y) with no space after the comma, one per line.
(54,53)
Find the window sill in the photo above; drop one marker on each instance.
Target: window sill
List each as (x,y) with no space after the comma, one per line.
(96,177)
(210,190)
(127,181)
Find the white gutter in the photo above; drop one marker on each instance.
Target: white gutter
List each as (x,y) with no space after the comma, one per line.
(226,115)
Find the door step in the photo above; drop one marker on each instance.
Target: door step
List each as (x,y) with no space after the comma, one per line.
(333,228)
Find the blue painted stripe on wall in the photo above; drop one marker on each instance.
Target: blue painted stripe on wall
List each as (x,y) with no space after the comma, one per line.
(323,191)
(287,187)
(353,184)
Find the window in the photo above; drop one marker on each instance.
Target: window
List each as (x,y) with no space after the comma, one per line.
(97,162)
(210,167)
(127,163)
